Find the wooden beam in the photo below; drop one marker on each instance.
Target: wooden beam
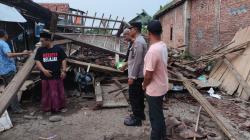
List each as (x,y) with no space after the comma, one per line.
(227,128)
(84,16)
(98,92)
(61,42)
(13,87)
(100,23)
(94,67)
(197,122)
(119,85)
(93,21)
(86,27)
(114,25)
(238,77)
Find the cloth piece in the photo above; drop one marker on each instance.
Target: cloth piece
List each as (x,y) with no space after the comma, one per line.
(53,97)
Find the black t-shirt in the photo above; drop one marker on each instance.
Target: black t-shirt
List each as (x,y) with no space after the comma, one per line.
(51,59)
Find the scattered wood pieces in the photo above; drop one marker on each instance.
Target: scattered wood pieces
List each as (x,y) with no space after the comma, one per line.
(197,122)
(226,127)
(209,83)
(98,92)
(94,66)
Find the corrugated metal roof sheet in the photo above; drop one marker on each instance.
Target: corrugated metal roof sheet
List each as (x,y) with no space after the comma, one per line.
(10,14)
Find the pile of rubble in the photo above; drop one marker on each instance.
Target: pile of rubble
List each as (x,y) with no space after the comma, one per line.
(225,71)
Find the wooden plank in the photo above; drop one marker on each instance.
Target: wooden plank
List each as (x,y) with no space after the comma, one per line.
(94,67)
(245,72)
(114,25)
(230,83)
(226,127)
(240,63)
(93,21)
(240,89)
(113,104)
(100,23)
(107,24)
(215,68)
(219,73)
(210,83)
(98,92)
(239,78)
(197,122)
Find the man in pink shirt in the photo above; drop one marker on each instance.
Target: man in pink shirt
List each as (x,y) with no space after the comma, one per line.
(156,80)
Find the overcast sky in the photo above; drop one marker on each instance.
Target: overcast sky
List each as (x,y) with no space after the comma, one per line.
(121,8)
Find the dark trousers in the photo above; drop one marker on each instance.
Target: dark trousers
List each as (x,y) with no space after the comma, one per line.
(136,98)
(156,116)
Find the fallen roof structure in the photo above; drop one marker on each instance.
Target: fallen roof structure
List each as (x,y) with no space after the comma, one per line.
(106,44)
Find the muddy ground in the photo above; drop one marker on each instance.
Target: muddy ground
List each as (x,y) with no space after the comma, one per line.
(81,122)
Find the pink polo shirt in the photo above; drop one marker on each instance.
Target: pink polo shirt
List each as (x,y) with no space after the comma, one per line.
(156,60)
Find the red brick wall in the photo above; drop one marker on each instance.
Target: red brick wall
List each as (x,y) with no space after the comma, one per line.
(209,28)
(173,18)
(202,26)
(212,23)
(235,14)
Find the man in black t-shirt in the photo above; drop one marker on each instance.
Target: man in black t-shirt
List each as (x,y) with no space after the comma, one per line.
(50,60)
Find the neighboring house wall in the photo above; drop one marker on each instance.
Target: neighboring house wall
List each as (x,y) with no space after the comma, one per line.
(235,14)
(173,27)
(213,23)
(203,27)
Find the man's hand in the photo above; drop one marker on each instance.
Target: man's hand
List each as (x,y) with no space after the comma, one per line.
(63,75)
(123,68)
(47,73)
(130,81)
(143,86)
(26,52)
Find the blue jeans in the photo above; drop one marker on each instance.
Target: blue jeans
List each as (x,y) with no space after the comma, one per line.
(156,117)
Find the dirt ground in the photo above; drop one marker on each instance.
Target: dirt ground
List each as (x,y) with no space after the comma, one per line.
(81,122)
